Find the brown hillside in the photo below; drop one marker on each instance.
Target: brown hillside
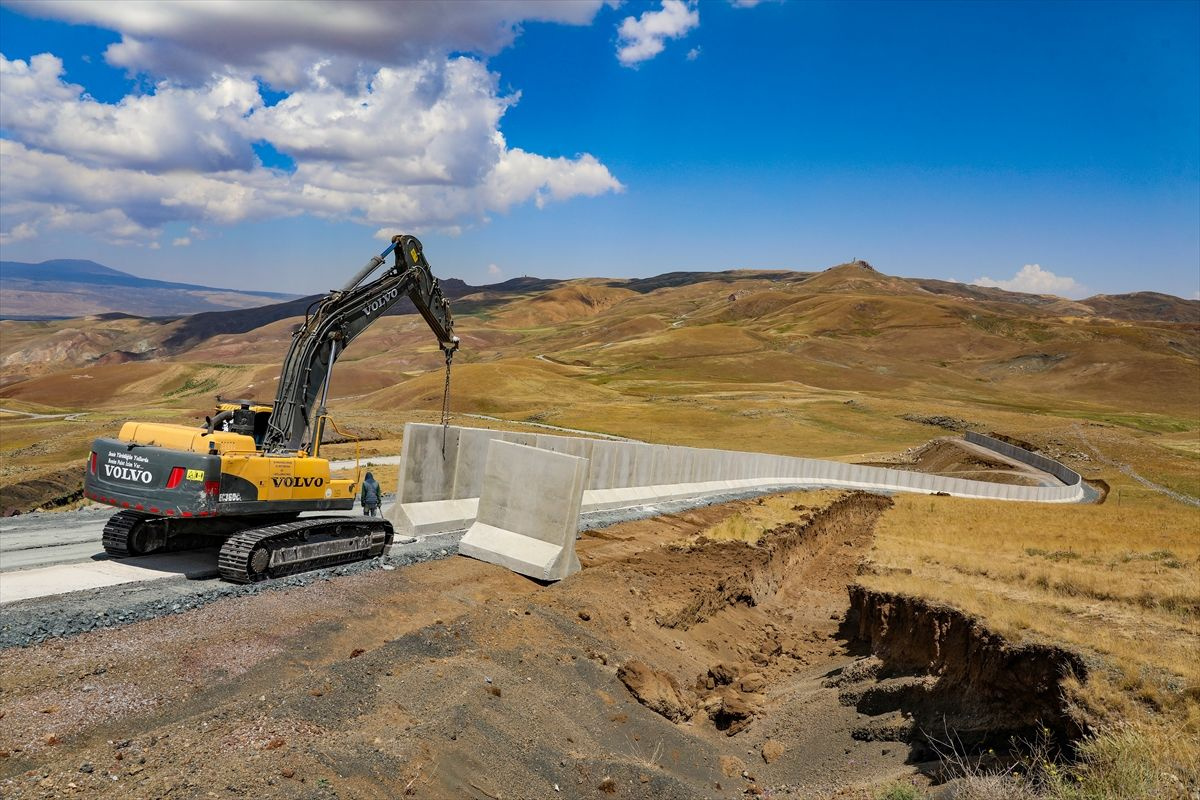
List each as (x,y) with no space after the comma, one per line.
(848,328)
(563,304)
(1150,306)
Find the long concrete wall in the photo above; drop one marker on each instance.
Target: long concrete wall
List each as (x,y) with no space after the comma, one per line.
(439,492)
(1068,476)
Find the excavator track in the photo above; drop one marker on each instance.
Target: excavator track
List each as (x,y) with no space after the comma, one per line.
(133,533)
(118,532)
(278,550)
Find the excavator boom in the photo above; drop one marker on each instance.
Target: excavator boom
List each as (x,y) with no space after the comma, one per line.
(338,319)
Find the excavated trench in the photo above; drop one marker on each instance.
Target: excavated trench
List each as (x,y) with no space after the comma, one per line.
(44,491)
(938,679)
(926,675)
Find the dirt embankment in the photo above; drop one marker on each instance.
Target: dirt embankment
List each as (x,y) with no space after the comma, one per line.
(937,675)
(947,458)
(460,679)
(45,491)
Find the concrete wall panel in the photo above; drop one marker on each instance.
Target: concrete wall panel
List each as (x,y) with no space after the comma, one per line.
(529,511)
(472,458)
(425,474)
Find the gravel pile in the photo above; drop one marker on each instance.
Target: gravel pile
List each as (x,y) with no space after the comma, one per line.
(35,621)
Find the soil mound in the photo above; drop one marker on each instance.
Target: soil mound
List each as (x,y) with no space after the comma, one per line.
(45,491)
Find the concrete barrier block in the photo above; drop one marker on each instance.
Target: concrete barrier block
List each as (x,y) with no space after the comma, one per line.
(643,465)
(621,497)
(425,474)
(571,445)
(665,466)
(517,437)
(433,517)
(529,511)
(472,458)
(605,463)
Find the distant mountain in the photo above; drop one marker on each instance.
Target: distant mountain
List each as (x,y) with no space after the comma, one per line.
(75,287)
(199,327)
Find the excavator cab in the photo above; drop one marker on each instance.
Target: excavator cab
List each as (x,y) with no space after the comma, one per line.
(248,418)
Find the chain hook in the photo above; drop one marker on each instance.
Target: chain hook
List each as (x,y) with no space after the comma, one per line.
(446,403)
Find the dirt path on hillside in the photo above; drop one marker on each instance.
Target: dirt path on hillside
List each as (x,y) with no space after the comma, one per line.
(670,666)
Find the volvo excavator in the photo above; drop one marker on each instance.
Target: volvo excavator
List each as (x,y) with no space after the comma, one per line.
(244,478)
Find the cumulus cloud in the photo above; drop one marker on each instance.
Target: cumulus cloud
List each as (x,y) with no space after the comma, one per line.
(411,145)
(493,271)
(174,128)
(286,42)
(693,54)
(644,37)
(22,231)
(182,241)
(1032,279)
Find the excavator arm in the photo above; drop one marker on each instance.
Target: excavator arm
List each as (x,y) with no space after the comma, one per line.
(337,320)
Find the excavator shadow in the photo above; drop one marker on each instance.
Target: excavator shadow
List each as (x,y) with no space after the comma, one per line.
(195,564)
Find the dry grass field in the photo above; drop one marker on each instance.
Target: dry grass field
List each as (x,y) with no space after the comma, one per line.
(1120,583)
(841,365)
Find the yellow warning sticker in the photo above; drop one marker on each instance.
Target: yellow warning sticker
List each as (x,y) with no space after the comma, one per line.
(195,474)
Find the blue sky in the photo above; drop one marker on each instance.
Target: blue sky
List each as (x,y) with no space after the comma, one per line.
(1040,146)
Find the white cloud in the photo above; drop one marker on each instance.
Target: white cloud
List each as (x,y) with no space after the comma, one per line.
(19,232)
(182,241)
(286,42)
(644,37)
(173,128)
(1032,279)
(493,271)
(412,146)
(693,54)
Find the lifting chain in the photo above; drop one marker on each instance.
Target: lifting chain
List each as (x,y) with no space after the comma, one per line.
(446,404)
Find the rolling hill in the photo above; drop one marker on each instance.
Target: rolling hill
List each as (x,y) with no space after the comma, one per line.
(849,328)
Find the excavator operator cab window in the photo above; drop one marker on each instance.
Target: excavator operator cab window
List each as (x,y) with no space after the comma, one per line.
(249,420)
(261,418)
(242,421)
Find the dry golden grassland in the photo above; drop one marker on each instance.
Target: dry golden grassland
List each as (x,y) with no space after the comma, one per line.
(1119,583)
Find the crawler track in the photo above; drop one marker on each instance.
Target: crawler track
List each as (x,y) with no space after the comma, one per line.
(302,545)
(133,533)
(118,532)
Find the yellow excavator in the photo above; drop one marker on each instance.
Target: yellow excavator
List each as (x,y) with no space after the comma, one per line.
(244,478)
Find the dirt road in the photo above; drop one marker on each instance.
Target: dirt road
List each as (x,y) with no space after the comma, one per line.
(670,667)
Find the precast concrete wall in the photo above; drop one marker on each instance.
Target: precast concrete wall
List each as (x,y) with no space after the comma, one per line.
(625,474)
(1064,473)
(530,532)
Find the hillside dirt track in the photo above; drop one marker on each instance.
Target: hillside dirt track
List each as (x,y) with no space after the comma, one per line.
(460,679)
